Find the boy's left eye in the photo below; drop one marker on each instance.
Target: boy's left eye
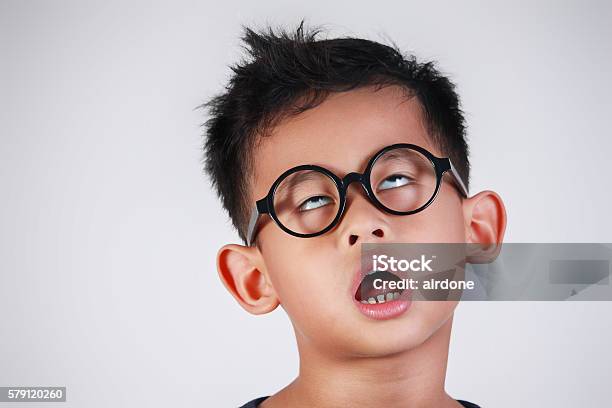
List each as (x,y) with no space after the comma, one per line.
(393,181)
(314,203)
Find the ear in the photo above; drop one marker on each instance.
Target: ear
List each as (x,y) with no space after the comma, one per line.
(485,225)
(240,270)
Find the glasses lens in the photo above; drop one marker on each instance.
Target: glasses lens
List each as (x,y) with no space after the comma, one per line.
(403,180)
(306,201)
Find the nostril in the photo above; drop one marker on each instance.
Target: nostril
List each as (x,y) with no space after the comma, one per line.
(379,233)
(352,239)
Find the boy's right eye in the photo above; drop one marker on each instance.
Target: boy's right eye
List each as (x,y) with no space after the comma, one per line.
(314,202)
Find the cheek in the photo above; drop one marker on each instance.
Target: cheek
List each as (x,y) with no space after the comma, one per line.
(442,221)
(307,279)
(430,315)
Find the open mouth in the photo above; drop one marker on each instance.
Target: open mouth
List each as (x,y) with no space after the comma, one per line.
(370,293)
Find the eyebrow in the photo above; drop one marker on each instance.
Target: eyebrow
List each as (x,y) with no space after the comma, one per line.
(289,184)
(397,156)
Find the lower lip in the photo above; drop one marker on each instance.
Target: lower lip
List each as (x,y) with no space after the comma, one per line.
(383,311)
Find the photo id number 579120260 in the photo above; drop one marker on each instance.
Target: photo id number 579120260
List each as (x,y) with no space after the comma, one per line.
(32,394)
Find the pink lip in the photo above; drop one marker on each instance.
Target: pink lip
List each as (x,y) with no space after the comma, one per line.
(383,311)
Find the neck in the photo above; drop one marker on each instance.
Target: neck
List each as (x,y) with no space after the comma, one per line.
(410,378)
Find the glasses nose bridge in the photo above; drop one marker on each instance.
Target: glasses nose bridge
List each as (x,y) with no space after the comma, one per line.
(354,177)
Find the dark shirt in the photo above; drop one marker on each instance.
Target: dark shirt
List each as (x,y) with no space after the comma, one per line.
(255,403)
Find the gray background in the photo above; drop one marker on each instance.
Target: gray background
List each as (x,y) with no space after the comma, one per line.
(109,230)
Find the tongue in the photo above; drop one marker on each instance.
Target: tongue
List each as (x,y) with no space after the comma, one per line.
(367,290)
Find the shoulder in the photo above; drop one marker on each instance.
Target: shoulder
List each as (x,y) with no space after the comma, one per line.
(254,403)
(468,404)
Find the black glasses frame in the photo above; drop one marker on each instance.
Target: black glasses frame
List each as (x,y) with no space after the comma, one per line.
(266,205)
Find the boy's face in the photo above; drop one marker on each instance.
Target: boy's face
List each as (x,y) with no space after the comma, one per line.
(314,278)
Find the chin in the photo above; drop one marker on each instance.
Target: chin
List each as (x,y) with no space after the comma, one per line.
(381,345)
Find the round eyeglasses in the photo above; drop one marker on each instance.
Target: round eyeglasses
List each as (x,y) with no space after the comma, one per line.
(307,201)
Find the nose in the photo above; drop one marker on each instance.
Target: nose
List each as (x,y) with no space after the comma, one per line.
(362,220)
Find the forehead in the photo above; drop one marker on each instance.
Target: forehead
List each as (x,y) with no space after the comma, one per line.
(340,134)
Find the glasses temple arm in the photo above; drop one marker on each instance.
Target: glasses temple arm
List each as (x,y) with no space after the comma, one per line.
(252,224)
(458,179)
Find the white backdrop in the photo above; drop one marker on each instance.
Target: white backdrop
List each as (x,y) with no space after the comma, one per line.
(108,228)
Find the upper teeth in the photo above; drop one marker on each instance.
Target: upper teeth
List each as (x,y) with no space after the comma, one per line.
(371,272)
(382,298)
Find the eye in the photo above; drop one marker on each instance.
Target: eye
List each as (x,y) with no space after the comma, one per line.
(394,181)
(314,202)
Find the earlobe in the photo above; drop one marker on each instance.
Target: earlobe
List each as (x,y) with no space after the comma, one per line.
(238,269)
(485,223)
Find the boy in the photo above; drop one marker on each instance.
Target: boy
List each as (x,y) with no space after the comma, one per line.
(300,111)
